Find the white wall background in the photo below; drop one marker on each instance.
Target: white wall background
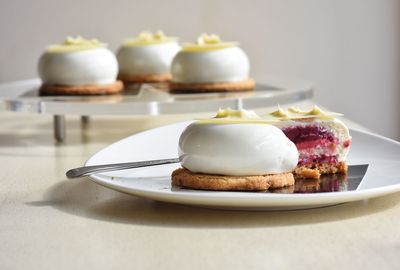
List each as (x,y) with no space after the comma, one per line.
(350,49)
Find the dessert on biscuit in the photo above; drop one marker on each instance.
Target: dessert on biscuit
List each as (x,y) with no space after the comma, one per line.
(211,65)
(147,58)
(79,66)
(235,151)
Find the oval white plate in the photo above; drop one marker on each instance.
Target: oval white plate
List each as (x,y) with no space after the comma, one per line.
(382,178)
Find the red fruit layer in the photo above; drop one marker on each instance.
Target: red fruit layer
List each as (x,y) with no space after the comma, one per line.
(311,141)
(299,134)
(314,159)
(319,143)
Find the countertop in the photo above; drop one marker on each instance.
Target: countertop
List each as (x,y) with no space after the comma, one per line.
(49,222)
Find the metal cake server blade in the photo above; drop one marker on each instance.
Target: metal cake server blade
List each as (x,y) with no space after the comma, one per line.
(356,175)
(329,182)
(87,170)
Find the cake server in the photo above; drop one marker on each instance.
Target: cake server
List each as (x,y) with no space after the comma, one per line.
(329,182)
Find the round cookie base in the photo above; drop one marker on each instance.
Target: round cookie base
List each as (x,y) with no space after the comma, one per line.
(82,90)
(145,78)
(245,85)
(184,178)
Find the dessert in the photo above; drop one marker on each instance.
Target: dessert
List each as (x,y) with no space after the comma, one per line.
(236,150)
(78,66)
(210,65)
(322,140)
(147,58)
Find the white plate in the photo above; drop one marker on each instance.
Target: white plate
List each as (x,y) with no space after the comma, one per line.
(382,178)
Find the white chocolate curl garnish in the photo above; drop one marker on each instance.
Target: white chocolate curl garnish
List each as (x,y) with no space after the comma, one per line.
(149,38)
(75,44)
(207,42)
(296,113)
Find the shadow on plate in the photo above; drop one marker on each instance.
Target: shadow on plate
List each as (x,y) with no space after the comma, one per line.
(87,199)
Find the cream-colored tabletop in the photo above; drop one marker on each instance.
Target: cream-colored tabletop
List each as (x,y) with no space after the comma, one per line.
(49,222)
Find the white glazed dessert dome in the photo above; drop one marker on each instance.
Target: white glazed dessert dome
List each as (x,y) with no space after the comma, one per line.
(78,62)
(148,54)
(210,61)
(236,148)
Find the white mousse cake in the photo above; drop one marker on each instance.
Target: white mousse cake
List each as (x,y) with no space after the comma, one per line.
(322,140)
(79,66)
(236,150)
(147,58)
(211,65)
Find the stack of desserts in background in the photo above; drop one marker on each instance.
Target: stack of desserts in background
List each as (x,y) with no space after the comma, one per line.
(81,66)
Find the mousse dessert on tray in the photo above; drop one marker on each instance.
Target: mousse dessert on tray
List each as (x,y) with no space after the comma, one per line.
(211,65)
(79,66)
(147,58)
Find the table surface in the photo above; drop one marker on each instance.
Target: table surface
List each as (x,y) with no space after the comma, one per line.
(49,222)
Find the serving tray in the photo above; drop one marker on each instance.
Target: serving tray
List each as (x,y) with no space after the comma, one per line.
(146,99)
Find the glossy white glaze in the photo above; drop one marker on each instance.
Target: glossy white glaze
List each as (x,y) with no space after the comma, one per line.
(236,149)
(222,65)
(147,59)
(85,67)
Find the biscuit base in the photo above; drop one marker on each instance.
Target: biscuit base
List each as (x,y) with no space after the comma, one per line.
(145,78)
(314,171)
(82,90)
(184,178)
(246,85)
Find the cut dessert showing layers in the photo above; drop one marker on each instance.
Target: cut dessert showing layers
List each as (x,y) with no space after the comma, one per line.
(236,150)
(211,65)
(147,58)
(322,140)
(79,66)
